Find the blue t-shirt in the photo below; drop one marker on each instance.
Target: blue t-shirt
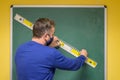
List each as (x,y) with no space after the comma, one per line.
(35,61)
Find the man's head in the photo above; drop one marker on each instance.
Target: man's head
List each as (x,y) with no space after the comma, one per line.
(44,28)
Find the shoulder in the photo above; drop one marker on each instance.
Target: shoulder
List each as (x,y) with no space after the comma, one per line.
(50,49)
(56,53)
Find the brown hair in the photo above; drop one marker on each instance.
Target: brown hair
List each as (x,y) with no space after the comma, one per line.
(41,26)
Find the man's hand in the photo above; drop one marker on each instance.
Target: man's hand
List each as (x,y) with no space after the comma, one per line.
(84,52)
(55,42)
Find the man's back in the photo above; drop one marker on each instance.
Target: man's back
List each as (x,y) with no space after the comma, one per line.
(34,62)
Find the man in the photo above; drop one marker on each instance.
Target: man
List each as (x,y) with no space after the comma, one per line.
(38,59)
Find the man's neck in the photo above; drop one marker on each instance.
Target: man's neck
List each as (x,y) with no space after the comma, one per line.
(39,40)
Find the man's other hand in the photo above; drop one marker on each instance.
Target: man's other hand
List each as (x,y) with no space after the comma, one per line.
(55,42)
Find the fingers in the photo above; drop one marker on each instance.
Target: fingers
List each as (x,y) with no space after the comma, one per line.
(84,52)
(56,38)
(55,42)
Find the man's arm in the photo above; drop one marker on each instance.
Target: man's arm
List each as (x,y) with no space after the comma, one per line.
(62,62)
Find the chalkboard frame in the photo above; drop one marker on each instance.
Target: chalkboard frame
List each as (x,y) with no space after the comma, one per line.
(70,6)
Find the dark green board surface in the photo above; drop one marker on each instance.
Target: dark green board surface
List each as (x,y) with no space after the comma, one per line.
(78,26)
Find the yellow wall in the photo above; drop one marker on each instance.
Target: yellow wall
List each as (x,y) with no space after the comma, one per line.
(113,32)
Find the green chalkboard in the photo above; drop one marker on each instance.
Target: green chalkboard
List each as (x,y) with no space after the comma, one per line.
(81,27)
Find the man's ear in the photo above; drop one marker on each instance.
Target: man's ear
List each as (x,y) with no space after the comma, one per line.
(45,36)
